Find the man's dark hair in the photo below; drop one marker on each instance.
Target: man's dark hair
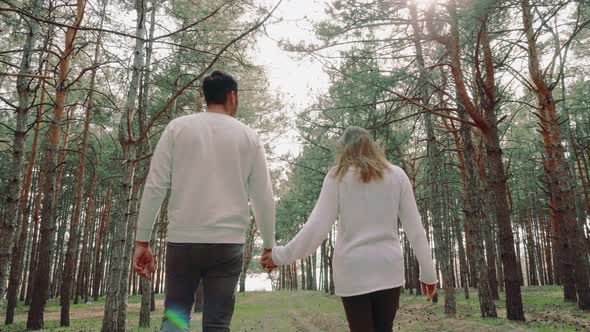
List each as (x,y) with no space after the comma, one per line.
(217,85)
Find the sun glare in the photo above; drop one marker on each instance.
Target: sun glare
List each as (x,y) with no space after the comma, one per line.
(423,3)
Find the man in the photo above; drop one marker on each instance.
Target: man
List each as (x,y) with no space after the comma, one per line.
(212,163)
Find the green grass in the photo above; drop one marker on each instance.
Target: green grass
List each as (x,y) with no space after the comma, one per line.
(315,311)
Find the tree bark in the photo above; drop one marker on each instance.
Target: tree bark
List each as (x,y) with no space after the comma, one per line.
(70,259)
(11,217)
(473,216)
(462,258)
(100,247)
(116,300)
(435,161)
(17,263)
(34,240)
(249,246)
(534,281)
(46,243)
(83,256)
(514,308)
(573,265)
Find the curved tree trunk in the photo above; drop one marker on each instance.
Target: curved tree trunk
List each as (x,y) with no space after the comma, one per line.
(488,125)
(573,264)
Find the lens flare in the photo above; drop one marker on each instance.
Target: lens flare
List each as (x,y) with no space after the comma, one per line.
(176,319)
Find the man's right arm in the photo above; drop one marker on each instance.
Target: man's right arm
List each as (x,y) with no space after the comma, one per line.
(156,186)
(261,198)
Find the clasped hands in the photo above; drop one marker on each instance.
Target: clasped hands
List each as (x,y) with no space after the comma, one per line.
(266,260)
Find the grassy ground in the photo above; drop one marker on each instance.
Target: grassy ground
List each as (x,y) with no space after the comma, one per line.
(314,311)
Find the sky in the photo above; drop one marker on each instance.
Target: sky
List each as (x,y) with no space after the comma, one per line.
(292,74)
(299,79)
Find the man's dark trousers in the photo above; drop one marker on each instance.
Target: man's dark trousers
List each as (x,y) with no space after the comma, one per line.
(218,266)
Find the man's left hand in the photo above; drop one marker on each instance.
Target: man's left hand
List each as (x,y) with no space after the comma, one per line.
(266,260)
(143,260)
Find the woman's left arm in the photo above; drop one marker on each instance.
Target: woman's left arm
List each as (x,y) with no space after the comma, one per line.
(315,230)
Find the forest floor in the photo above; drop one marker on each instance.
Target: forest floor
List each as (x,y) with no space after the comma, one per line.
(315,311)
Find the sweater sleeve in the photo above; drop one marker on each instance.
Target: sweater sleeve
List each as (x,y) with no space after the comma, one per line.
(156,186)
(410,218)
(315,230)
(262,199)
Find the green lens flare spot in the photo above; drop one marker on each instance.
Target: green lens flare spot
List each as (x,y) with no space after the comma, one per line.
(176,319)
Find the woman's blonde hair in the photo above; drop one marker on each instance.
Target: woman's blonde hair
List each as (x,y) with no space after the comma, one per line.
(356,148)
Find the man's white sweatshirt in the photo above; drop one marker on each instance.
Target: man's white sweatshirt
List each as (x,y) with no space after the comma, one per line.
(213,165)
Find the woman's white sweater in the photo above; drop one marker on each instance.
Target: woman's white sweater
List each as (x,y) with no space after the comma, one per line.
(368,255)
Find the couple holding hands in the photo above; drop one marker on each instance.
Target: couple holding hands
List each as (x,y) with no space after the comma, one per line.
(214,165)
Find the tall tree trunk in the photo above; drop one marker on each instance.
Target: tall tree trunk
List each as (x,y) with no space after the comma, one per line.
(330,261)
(325,279)
(141,169)
(435,182)
(473,211)
(113,320)
(11,217)
(546,234)
(488,220)
(46,243)
(310,275)
(534,281)
(159,260)
(573,264)
(90,262)
(498,181)
(70,259)
(499,185)
(469,245)
(16,267)
(100,247)
(34,239)
(487,123)
(88,215)
(59,211)
(250,237)
(473,216)
(127,282)
(583,179)
(462,258)
(146,285)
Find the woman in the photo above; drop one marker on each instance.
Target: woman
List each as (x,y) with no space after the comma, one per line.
(366,194)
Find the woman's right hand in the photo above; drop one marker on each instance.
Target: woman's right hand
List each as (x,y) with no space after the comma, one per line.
(429,291)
